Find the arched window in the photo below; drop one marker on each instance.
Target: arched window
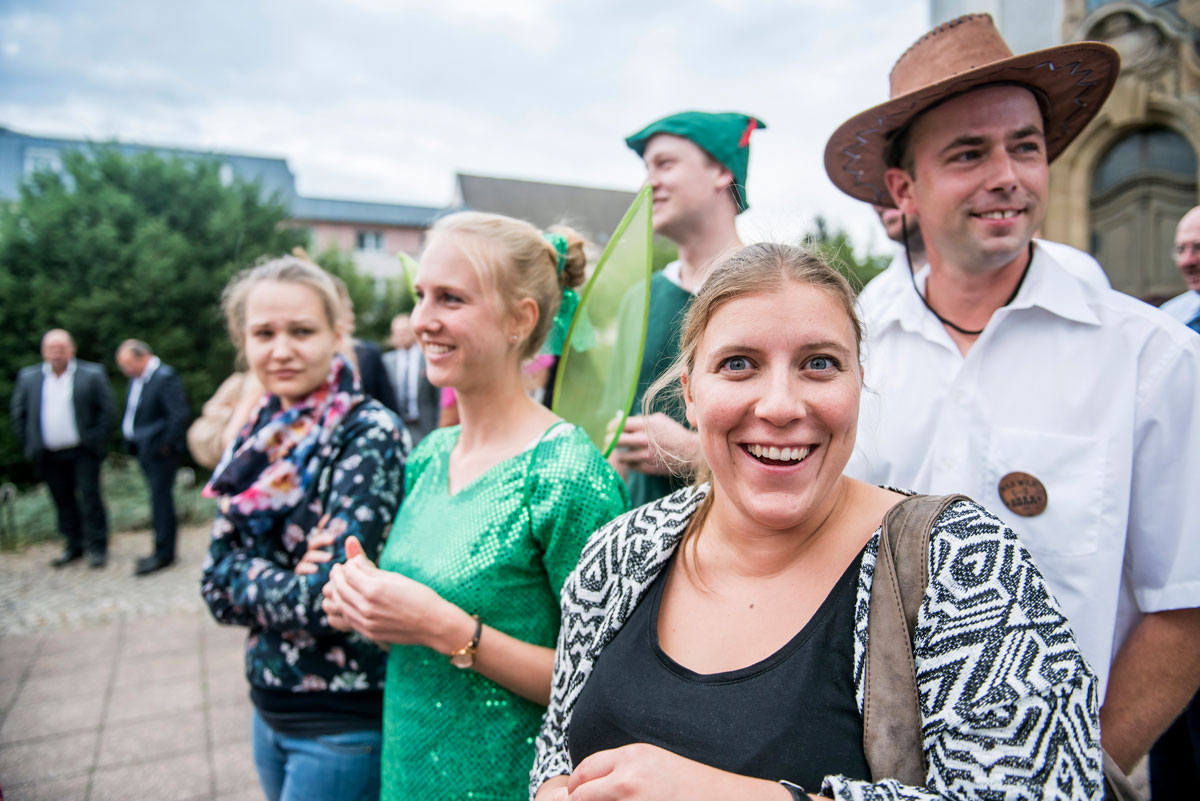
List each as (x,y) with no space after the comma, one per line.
(1141,186)
(1092,5)
(1146,151)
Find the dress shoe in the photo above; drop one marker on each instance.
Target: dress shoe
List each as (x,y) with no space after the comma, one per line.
(97,559)
(65,558)
(149,564)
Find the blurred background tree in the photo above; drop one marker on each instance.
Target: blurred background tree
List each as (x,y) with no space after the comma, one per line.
(114,247)
(835,245)
(375,302)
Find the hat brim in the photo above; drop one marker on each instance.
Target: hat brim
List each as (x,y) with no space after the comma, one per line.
(1074,78)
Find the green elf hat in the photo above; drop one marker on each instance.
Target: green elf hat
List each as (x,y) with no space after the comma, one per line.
(724,136)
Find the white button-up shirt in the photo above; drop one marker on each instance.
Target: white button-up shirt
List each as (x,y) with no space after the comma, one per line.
(898,275)
(408,370)
(1184,308)
(1092,392)
(135,396)
(59,428)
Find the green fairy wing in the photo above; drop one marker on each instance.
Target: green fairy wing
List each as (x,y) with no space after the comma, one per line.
(409,267)
(602,352)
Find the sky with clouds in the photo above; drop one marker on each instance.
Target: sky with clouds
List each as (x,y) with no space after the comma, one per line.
(386,99)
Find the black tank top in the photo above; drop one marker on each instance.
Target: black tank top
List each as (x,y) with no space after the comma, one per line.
(791,716)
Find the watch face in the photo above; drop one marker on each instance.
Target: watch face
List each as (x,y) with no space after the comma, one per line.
(463,659)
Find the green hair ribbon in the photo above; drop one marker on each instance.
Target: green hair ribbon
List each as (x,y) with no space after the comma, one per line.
(556,337)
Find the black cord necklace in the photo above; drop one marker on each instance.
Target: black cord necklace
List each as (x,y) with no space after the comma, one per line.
(912,274)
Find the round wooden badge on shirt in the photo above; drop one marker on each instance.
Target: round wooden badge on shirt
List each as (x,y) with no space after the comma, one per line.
(1023,494)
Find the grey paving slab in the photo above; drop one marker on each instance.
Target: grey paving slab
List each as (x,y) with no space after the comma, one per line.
(233,772)
(92,641)
(229,688)
(8,692)
(146,741)
(60,685)
(154,701)
(119,684)
(225,657)
(178,778)
(17,654)
(46,665)
(47,758)
(229,723)
(221,636)
(35,597)
(73,789)
(248,794)
(158,636)
(30,721)
(168,667)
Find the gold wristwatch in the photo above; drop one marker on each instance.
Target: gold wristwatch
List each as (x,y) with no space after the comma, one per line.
(464,657)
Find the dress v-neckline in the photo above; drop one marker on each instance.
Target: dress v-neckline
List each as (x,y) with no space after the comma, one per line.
(477,479)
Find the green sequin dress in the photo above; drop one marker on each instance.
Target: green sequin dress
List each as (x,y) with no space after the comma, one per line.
(500,548)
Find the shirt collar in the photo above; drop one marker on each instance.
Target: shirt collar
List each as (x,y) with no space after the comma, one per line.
(151,366)
(1048,285)
(47,370)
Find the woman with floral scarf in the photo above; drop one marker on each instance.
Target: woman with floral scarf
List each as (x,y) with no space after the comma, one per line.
(317,455)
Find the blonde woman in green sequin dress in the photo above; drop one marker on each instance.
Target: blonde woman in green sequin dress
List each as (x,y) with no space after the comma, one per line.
(496,512)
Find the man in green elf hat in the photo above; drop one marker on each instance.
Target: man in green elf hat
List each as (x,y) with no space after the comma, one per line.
(696,168)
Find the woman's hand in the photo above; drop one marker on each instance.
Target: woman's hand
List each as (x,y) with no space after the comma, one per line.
(642,772)
(387,607)
(331,605)
(318,552)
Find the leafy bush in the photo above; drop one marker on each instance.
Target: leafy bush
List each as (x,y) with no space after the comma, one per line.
(116,247)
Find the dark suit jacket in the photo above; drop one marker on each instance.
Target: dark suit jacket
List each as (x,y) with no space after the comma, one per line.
(372,374)
(93,408)
(429,399)
(161,421)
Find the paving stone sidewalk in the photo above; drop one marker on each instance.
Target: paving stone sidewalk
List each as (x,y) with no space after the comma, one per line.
(115,687)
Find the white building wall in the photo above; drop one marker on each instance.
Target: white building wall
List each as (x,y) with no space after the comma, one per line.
(1025,24)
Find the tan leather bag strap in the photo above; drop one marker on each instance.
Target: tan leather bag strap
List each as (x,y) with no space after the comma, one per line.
(892,739)
(891,708)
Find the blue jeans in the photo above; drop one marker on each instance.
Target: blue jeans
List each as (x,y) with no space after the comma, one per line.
(335,767)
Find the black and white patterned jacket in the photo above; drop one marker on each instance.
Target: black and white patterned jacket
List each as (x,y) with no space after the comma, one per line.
(1008,703)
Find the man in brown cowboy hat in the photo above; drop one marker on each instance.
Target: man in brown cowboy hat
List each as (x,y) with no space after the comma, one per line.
(1070,409)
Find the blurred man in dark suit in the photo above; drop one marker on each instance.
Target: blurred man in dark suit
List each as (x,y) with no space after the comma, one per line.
(62,410)
(418,401)
(155,422)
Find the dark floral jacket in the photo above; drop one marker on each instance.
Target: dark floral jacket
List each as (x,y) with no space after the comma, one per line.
(250,581)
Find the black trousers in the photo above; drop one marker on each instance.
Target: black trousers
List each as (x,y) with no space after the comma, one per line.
(160,477)
(73,476)
(1175,758)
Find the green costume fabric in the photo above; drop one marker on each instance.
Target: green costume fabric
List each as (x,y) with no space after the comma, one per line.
(500,548)
(724,136)
(668,304)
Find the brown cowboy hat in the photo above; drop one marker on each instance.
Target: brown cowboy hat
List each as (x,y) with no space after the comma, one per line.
(1071,82)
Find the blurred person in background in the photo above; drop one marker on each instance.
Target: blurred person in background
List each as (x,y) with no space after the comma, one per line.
(62,412)
(417,399)
(154,426)
(1186,307)
(368,358)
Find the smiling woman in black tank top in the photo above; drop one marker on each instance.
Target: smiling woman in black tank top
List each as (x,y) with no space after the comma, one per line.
(712,642)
